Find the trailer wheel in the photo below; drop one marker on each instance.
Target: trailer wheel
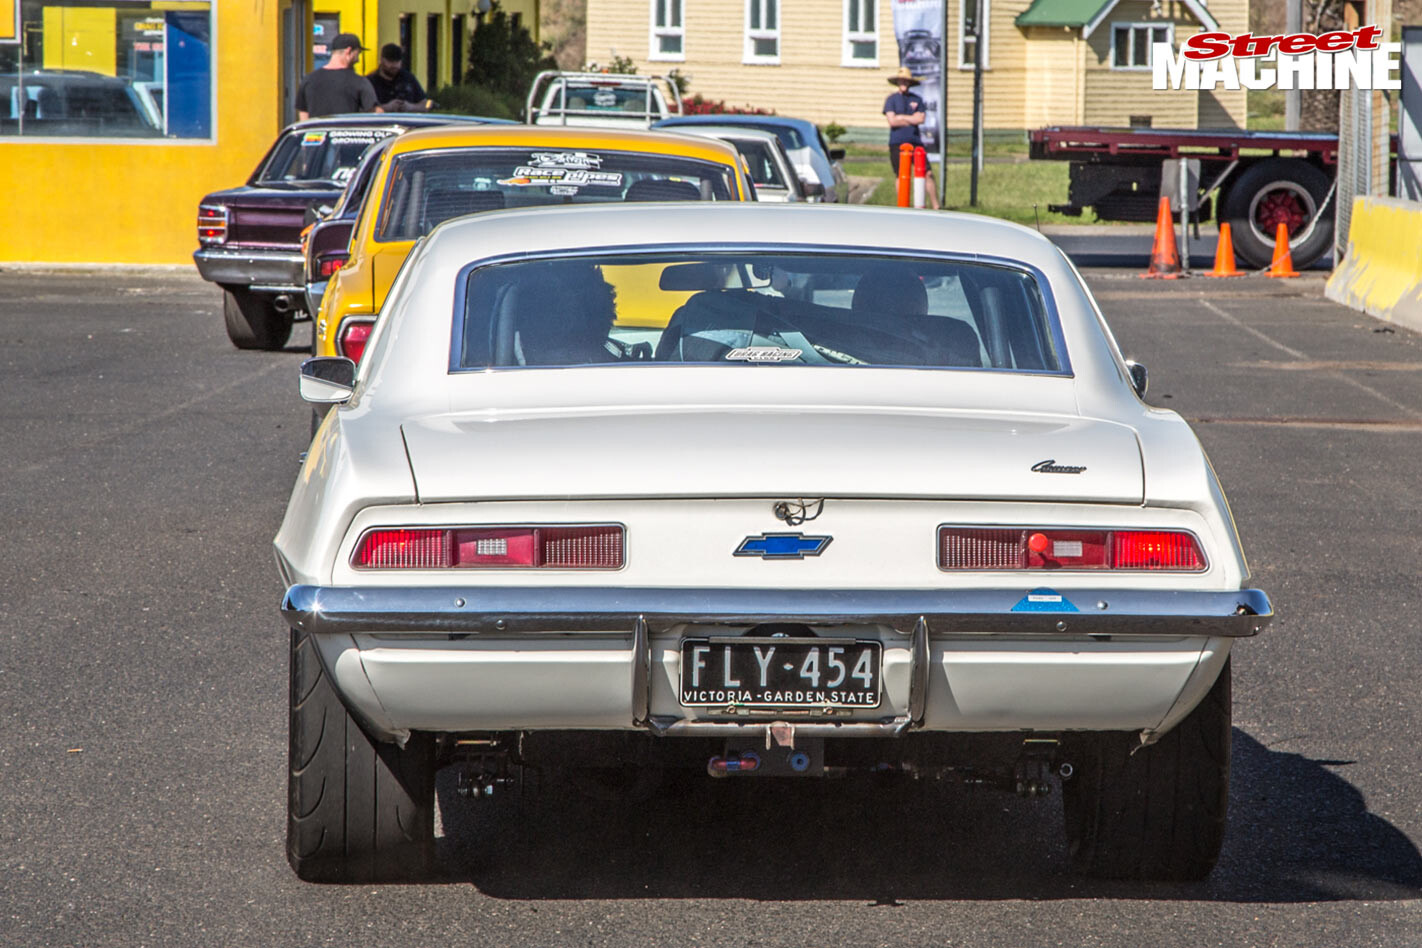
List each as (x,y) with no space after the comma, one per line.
(1284,189)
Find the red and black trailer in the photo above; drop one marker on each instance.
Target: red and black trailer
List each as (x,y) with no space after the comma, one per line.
(1253,180)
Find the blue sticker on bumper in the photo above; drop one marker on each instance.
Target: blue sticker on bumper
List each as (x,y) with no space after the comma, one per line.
(1044,600)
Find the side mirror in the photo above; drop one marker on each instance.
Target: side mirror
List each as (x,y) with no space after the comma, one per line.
(812,189)
(836,154)
(327,380)
(1139,380)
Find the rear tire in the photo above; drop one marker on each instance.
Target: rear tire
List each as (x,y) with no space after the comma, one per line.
(1288,189)
(253,321)
(1157,814)
(358,810)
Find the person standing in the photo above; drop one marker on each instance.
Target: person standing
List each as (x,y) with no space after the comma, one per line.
(396,88)
(335,87)
(905,112)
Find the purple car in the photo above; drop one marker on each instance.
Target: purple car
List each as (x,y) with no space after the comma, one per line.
(250,237)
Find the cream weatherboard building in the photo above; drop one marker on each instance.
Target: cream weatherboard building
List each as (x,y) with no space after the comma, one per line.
(1046,62)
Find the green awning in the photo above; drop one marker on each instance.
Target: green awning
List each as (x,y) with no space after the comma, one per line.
(1060,12)
(1088,14)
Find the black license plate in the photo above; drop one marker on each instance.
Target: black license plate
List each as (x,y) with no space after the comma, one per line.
(780,672)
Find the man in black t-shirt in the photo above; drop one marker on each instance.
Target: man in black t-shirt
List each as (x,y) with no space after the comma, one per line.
(396,88)
(335,88)
(905,113)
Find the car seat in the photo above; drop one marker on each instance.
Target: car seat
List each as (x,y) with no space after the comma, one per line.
(441,204)
(661,189)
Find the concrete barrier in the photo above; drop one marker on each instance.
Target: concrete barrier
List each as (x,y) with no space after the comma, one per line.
(1381,274)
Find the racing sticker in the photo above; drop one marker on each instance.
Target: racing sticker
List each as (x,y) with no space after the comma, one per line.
(604,98)
(563,190)
(359,134)
(313,138)
(1044,600)
(528,176)
(564,159)
(763,354)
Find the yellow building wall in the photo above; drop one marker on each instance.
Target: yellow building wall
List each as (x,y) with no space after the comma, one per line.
(81,38)
(1055,58)
(93,201)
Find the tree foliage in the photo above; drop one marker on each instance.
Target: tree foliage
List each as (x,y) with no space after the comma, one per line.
(504,58)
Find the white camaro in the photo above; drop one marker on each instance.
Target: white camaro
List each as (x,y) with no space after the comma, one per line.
(766,491)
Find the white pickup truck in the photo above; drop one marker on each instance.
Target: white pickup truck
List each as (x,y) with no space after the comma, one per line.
(600,100)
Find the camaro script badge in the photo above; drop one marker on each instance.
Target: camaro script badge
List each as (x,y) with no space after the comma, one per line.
(1050,466)
(782,546)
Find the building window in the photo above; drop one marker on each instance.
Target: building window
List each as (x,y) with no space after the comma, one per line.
(432,51)
(127,69)
(762,32)
(668,33)
(967,33)
(1131,43)
(456,48)
(407,37)
(861,33)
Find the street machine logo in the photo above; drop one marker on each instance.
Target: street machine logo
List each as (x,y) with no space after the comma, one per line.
(1346,59)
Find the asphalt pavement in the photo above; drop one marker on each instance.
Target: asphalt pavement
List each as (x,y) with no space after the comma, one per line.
(146,466)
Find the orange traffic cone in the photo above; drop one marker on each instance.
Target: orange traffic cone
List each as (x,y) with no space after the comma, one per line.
(1283,264)
(1224,255)
(1164,257)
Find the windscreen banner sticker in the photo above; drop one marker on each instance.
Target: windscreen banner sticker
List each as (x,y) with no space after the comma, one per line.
(1044,600)
(763,354)
(313,138)
(360,134)
(527,176)
(564,159)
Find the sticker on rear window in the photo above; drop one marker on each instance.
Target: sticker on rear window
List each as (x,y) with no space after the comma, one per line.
(563,190)
(604,98)
(526,176)
(313,138)
(564,159)
(763,354)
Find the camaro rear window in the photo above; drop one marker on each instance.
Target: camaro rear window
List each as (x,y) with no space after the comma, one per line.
(429,188)
(762,309)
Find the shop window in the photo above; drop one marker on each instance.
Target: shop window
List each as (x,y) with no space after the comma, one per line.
(407,37)
(324,27)
(138,69)
(1131,43)
(861,34)
(762,32)
(668,33)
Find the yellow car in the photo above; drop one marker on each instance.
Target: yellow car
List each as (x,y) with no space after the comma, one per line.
(428,176)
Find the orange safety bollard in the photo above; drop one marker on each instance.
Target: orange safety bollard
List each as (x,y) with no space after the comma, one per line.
(1164,256)
(920,177)
(1224,254)
(905,173)
(1283,263)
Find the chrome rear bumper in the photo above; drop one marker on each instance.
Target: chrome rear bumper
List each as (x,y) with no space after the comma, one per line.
(526,658)
(519,610)
(273,270)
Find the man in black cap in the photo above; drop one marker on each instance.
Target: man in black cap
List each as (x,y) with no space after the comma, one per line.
(335,87)
(396,88)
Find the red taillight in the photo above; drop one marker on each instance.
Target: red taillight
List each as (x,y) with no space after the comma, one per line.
(573,547)
(404,549)
(1140,549)
(330,263)
(354,334)
(979,548)
(212,223)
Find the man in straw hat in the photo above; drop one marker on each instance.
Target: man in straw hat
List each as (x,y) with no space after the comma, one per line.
(905,113)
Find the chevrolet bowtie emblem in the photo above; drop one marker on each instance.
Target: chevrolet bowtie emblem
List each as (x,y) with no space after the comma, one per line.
(782,546)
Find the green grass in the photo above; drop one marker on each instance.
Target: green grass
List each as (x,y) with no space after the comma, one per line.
(1005,189)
